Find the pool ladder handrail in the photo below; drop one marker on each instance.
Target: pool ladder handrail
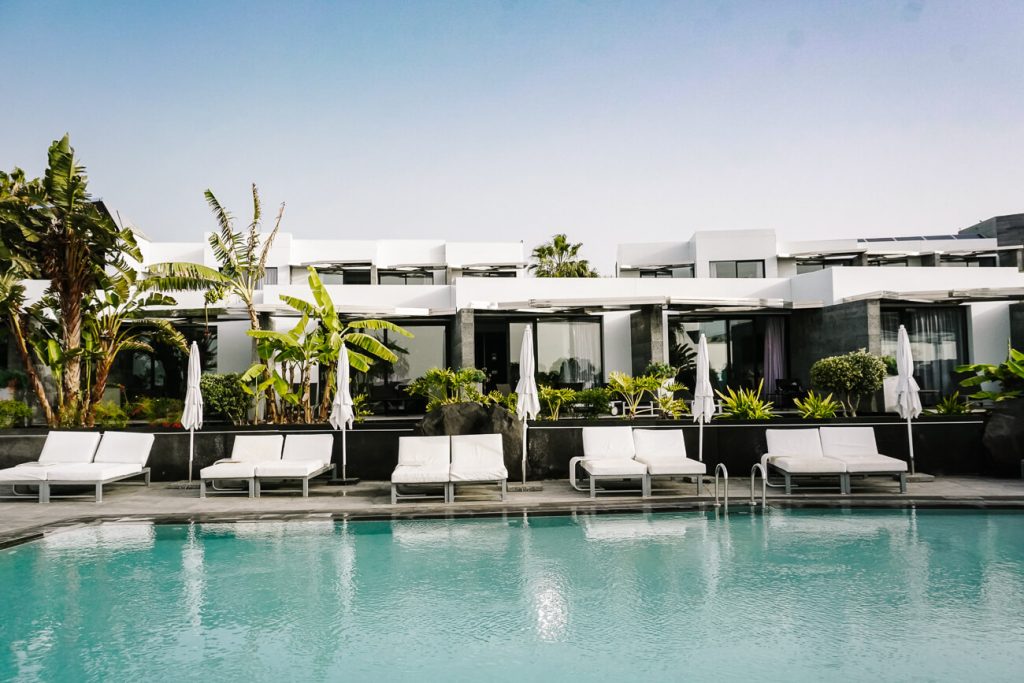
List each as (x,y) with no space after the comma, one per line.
(720,468)
(758,467)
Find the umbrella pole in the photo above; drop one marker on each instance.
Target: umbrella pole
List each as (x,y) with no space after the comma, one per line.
(524,452)
(191,451)
(700,439)
(344,454)
(910,443)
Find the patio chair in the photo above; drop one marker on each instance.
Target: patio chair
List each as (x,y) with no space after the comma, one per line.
(797,453)
(608,456)
(855,447)
(423,462)
(60,448)
(305,456)
(121,455)
(664,453)
(478,459)
(247,451)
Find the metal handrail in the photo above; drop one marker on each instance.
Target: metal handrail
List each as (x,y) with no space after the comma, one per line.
(721,468)
(758,467)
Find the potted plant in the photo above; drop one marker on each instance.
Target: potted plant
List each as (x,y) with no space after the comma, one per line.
(851,377)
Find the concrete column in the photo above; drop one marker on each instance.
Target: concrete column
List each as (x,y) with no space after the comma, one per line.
(1017,326)
(461,346)
(647,337)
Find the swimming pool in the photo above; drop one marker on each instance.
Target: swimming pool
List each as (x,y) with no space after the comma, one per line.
(786,596)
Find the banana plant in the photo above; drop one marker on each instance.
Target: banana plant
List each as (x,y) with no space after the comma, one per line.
(1009,375)
(633,390)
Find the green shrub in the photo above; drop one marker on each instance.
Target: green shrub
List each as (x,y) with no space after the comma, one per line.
(224,396)
(662,371)
(851,376)
(951,405)
(745,404)
(551,401)
(361,407)
(633,390)
(14,413)
(506,401)
(592,403)
(109,415)
(444,386)
(891,368)
(817,407)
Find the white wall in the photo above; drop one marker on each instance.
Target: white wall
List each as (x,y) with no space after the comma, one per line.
(735,245)
(234,346)
(988,331)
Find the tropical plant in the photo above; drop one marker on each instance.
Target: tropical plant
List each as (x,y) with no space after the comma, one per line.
(668,405)
(242,266)
(52,230)
(560,258)
(816,406)
(633,390)
(662,371)
(891,369)
(286,360)
(224,395)
(552,399)
(361,407)
(157,409)
(506,401)
(14,413)
(951,405)
(1009,375)
(109,415)
(745,404)
(851,376)
(591,403)
(444,386)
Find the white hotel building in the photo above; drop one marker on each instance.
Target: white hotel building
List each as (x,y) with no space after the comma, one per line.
(770,308)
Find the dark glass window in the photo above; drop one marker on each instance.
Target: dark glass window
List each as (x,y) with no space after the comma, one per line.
(162,372)
(490,272)
(937,342)
(685,271)
(737,269)
(736,349)
(403,277)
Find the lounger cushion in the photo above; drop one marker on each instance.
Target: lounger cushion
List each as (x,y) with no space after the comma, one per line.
(229,470)
(27,472)
(804,465)
(308,447)
(425,451)
(415,474)
(878,464)
(92,471)
(615,443)
(667,466)
(288,468)
(848,441)
(257,448)
(478,457)
(658,444)
(69,447)
(125,447)
(613,467)
(794,442)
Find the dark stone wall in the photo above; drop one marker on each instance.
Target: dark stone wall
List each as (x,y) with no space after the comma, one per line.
(1017,326)
(462,344)
(647,337)
(830,331)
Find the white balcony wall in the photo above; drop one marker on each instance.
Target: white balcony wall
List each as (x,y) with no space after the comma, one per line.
(461,254)
(399,300)
(734,245)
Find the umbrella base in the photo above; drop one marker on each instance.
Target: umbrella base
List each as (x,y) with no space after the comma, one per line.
(920,478)
(521,488)
(351,481)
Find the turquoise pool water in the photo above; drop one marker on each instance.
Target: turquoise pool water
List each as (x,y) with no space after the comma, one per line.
(789,596)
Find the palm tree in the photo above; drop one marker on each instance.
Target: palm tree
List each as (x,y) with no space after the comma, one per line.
(560,258)
(52,230)
(242,261)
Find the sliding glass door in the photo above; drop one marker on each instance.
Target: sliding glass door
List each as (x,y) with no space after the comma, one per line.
(938,342)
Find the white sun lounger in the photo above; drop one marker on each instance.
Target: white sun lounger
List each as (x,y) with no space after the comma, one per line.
(423,462)
(246,452)
(60,448)
(121,455)
(608,456)
(478,459)
(855,447)
(305,456)
(664,453)
(797,453)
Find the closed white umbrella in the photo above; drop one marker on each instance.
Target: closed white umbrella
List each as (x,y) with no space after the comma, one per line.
(703,406)
(528,399)
(192,416)
(343,414)
(908,400)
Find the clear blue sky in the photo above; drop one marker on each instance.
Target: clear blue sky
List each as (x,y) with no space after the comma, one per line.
(638,121)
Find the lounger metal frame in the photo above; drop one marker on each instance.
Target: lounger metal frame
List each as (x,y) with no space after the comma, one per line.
(203,491)
(502,484)
(45,495)
(844,478)
(332,468)
(697,478)
(645,480)
(447,496)
(900,477)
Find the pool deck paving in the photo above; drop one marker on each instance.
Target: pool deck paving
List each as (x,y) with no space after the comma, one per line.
(26,519)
